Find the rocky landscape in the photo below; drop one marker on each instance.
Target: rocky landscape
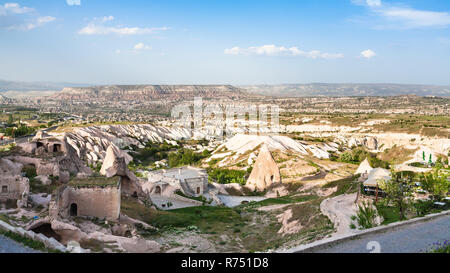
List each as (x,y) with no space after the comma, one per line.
(342,89)
(149,92)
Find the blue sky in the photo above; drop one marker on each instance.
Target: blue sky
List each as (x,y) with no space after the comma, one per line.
(225,41)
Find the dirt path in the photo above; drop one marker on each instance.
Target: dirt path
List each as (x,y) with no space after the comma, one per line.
(340,209)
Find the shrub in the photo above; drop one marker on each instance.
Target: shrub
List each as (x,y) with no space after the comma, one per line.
(366,215)
(225,176)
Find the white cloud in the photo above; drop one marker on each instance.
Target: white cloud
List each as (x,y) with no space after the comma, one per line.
(107,18)
(316,54)
(73,2)
(40,21)
(100,29)
(368,54)
(22,18)
(14,8)
(373,3)
(412,18)
(142,46)
(403,17)
(273,50)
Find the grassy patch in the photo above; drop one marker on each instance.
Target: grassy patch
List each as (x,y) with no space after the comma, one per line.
(280,201)
(92,182)
(390,214)
(225,176)
(37,187)
(346,185)
(5,218)
(396,155)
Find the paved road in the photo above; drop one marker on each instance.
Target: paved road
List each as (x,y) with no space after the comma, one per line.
(413,238)
(10,246)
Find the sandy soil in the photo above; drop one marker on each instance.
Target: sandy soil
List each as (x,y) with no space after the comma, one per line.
(340,209)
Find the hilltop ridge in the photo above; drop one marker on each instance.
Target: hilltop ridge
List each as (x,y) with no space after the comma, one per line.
(143,92)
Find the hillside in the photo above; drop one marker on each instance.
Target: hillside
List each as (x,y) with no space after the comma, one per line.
(149,92)
(5,100)
(338,90)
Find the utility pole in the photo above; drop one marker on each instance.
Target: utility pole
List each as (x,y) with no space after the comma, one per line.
(376,195)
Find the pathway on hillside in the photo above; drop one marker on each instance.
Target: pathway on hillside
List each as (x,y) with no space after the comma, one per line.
(340,209)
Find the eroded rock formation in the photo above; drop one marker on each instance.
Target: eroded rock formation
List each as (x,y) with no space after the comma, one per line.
(265,171)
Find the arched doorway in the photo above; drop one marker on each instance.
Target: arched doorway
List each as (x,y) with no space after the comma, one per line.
(74,210)
(158,190)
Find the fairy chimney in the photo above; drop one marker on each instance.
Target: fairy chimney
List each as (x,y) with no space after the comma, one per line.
(265,171)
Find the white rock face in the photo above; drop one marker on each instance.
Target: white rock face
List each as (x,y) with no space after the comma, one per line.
(240,144)
(91,143)
(309,128)
(116,162)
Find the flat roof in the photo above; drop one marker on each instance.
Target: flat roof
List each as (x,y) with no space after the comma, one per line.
(94,182)
(183,173)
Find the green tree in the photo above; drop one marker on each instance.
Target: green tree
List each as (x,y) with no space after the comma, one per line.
(10,119)
(398,192)
(346,157)
(436,184)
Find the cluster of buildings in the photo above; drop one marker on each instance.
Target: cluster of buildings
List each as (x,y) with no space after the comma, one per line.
(189,180)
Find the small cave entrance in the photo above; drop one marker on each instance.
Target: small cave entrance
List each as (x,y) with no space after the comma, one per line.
(57,148)
(128,234)
(158,190)
(135,195)
(46,229)
(74,210)
(39,144)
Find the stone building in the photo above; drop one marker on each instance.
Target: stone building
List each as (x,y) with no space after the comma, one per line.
(13,186)
(90,197)
(52,156)
(44,143)
(189,180)
(265,171)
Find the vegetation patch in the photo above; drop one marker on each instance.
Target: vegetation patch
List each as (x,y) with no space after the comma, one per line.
(28,242)
(226,176)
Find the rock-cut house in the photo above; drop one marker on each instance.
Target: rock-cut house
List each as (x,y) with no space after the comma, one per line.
(189,180)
